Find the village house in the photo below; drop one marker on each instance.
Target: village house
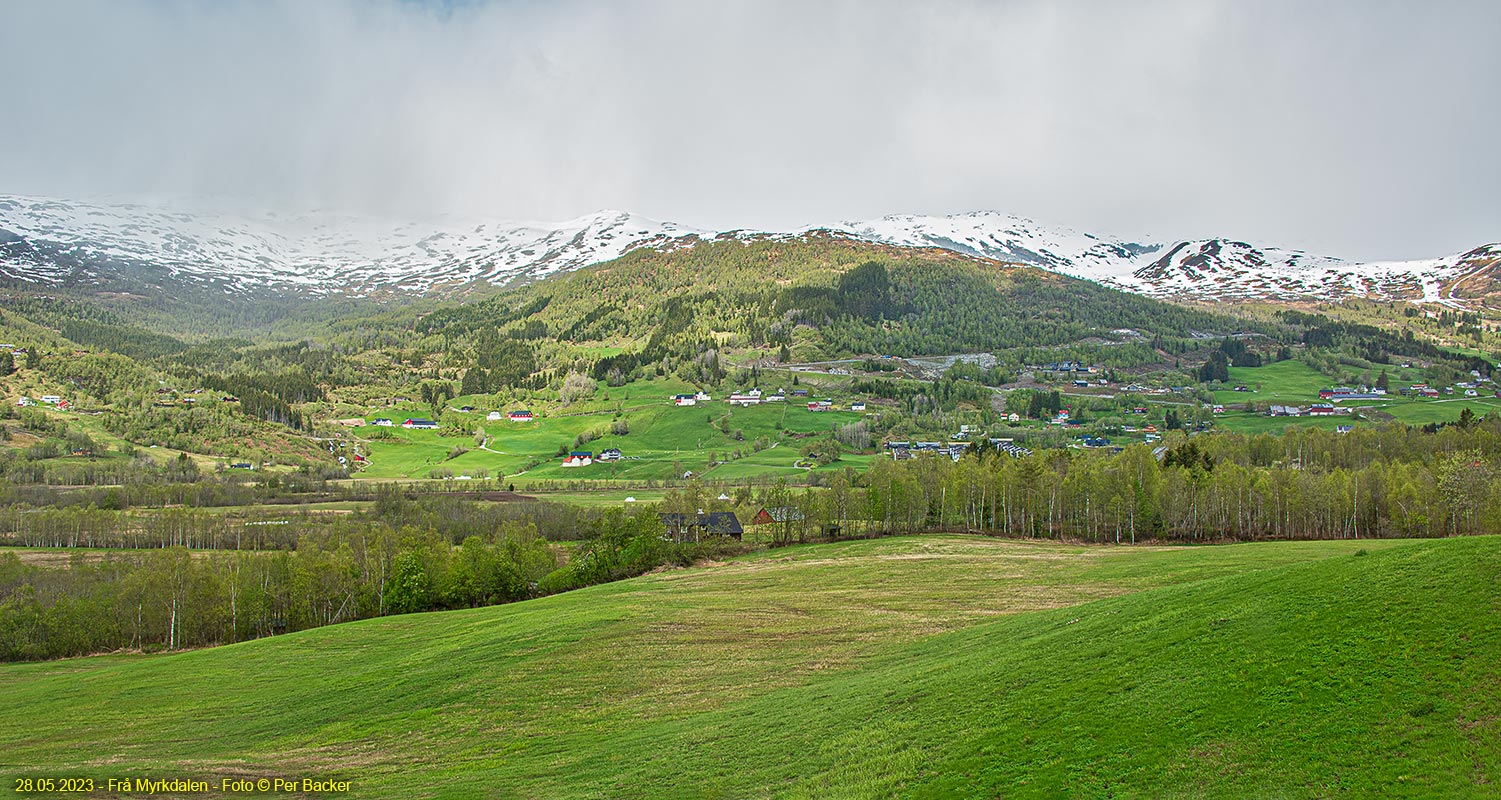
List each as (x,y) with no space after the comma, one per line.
(51,399)
(418,423)
(610,454)
(684,400)
(382,422)
(771,514)
(693,527)
(745,399)
(858,405)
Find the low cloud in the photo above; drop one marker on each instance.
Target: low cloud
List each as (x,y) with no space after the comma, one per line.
(1357,129)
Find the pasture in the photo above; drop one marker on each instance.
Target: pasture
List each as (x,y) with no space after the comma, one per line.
(927,666)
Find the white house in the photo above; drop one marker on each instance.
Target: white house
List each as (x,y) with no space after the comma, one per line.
(382,422)
(51,399)
(494,416)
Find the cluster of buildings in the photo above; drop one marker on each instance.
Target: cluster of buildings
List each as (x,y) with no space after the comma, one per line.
(583,458)
(46,399)
(755,397)
(1313,410)
(1339,393)
(903,451)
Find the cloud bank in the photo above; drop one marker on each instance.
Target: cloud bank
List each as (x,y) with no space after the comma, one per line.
(1358,129)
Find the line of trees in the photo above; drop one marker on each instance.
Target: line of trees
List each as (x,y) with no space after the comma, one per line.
(175,598)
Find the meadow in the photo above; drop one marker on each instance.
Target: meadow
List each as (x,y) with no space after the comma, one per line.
(925,666)
(663,441)
(1295,383)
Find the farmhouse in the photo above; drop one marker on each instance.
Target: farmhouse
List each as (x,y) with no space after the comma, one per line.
(579,458)
(521,415)
(771,514)
(25,401)
(51,399)
(1321,410)
(610,454)
(419,423)
(684,400)
(745,399)
(858,405)
(692,527)
(382,422)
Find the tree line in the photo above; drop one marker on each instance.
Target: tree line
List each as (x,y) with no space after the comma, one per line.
(176,597)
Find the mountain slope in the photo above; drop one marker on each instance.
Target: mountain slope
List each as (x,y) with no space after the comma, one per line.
(133,247)
(49,242)
(1209,269)
(918,666)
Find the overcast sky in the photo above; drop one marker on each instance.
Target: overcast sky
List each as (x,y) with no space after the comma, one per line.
(1361,129)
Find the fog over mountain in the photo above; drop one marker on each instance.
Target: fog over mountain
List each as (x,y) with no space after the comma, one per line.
(1356,129)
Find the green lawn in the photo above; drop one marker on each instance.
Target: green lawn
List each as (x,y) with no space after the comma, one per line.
(1295,383)
(663,441)
(935,666)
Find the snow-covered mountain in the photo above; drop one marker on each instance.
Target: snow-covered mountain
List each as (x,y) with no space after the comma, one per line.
(59,242)
(1208,269)
(54,242)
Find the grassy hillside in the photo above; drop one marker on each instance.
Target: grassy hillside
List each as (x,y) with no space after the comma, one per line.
(926,666)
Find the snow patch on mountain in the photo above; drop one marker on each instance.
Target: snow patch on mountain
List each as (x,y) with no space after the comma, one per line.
(71,241)
(55,242)
(1205,269)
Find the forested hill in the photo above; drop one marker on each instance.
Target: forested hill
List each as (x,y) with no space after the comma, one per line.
(816,297)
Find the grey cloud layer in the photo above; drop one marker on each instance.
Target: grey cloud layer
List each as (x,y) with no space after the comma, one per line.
(1363,130)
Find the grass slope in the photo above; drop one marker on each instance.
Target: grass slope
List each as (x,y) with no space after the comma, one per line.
(922,666)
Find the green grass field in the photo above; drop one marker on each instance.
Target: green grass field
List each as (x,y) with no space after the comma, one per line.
(933,666)
(1295,383)
(663,442)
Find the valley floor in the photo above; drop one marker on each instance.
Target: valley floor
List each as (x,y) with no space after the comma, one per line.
(938,666)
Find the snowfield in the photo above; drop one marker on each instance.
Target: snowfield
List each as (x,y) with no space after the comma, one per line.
(57,242)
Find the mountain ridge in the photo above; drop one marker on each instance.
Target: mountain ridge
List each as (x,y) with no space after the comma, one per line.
(50,242)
